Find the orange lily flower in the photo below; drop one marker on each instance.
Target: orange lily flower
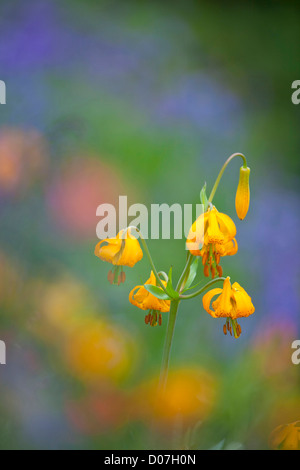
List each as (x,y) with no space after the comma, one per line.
(286,437)
(124,250)
(215,241)
(147,301)
(232,303)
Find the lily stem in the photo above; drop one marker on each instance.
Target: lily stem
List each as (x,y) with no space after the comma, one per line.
(145,246)
(185,273)
(171,325)
(214,189)
(168,344)
(200,291)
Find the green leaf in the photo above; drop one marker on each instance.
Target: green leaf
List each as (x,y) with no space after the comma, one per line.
(193,287)
(170,288)
(203,197)
(157,292)
(192,273)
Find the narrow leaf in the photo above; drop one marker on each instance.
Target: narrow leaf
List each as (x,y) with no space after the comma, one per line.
(192,273)
(203,197)
(171,291)
(157,292)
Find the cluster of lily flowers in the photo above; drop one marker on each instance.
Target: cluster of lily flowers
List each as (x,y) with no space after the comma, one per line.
(211,237)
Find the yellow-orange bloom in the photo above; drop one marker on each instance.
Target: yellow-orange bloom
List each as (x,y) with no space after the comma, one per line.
(96,351)
(124,250)
(232,303)
(147,301)
(286,437)
(190,395)
(242,198)
(212,236)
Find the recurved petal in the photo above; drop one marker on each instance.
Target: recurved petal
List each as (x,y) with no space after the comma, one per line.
(228,249)
(146,301)
(107,249)
(153,303)
(227,226)
(197,230)
(243,302)
(152,279)
(138,298)
(213,233)
(207,298)
(131,254)
(223,305)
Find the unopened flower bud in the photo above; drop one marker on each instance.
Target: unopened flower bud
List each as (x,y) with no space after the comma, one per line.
(242,198)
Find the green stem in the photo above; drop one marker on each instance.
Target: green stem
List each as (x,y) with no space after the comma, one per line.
(145,246)
(168,344)
(171,325)
(185,273)
(214,189)
(200,291)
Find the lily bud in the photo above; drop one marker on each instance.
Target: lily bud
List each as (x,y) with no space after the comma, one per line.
(242,198)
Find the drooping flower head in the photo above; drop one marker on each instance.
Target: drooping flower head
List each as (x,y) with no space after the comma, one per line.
(212,236)
(232,303)
(286,437)
(124,250)
(141,298)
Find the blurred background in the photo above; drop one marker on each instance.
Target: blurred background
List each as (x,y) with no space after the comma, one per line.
(144,99)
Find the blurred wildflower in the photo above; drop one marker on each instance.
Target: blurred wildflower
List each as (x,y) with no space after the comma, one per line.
(232,303)
(124,250)
(274,340)
(10,284)
(189,396)
(94,349)
(61,306)
(79,188)
(144,300)
(23,158)
(97,351)
(242,198)
(103,410)
(286,437)
(218,239)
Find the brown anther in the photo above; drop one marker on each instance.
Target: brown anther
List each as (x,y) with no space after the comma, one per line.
(110,276)
(204,258)
(147,319)
(239,329)
(123,277)
(213,272)
(160,319)
(230,330)
(228,326)
(119,279)
(224,329)
(220,270)
(154,319)
(206,270)
(217,258)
